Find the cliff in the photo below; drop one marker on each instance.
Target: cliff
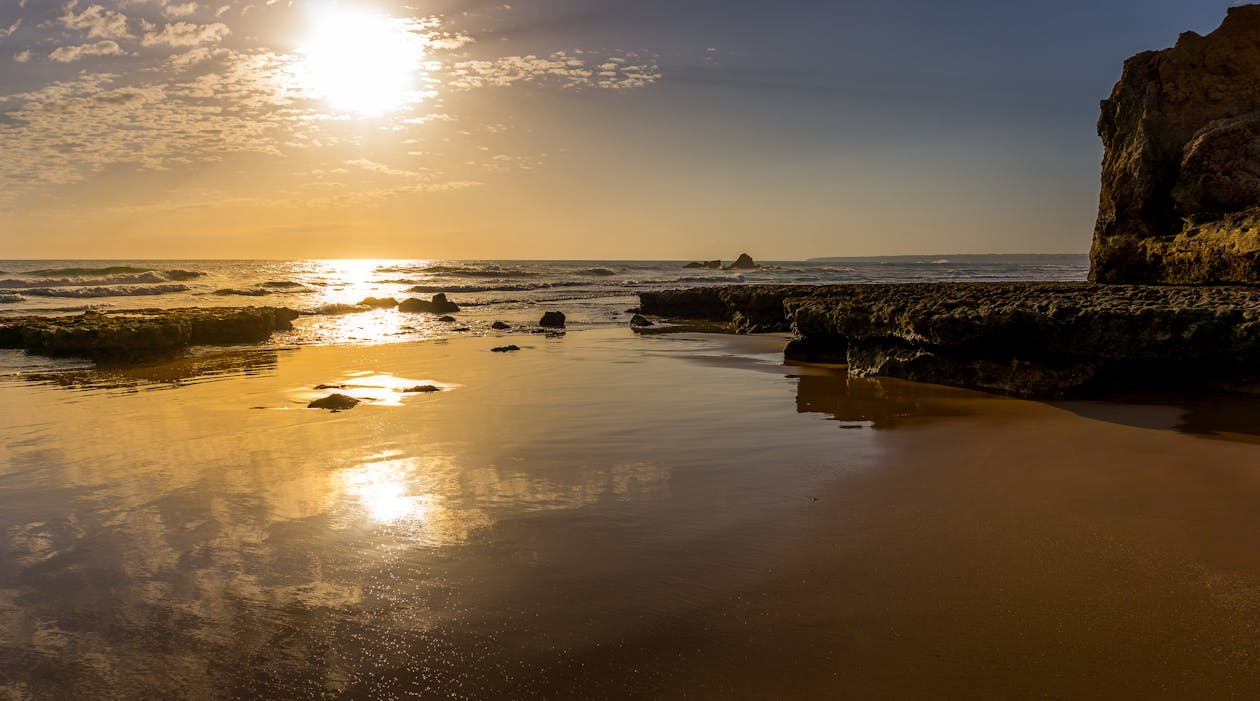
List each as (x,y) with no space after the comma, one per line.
(1180,197)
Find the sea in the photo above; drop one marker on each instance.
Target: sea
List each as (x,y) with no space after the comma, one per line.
(591,293)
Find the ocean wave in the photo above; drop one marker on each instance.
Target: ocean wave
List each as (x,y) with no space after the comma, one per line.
(42,278)
(716,278)
(598,272)
(283,284)
(11,298)
(250,292)
(522,287)
(491,271)
(108,291)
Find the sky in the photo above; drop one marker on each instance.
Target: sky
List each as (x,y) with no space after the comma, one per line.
(559,129)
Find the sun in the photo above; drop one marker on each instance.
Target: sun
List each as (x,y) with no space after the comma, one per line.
(360,61)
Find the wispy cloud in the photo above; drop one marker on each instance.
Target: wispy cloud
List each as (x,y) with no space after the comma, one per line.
(569,70)
(177,34)
(68,54)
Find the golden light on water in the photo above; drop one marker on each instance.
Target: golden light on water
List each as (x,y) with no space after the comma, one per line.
(384,490)
(360,61)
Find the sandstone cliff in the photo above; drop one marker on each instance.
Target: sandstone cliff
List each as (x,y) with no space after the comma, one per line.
(1180,199)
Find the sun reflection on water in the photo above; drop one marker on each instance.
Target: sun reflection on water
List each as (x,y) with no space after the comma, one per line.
(384,490)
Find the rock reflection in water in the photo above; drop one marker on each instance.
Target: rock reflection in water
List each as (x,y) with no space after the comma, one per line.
(162,375)
(878,402)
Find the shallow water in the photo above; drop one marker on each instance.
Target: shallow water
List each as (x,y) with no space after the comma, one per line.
(605,515)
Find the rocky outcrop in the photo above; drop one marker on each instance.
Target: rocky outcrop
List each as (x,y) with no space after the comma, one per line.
(143,334)
(1180,199)
(379,302)
(705,265)
(1026,339)
(554,320)
(334,402)
(439,304)
(743,262)
(747,308)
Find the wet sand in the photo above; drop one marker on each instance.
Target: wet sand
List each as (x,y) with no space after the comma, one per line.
(611,516)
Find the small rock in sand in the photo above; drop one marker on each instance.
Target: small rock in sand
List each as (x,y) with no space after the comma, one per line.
(335,402)
(505,349)
(500,325)
(448,317)
(422,388)
(552,319)
(640,320)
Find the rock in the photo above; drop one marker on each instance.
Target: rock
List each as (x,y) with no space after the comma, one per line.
(552,320)
(640,320)
(438,305)
(633,310)
(379,302)
(1027,339)
(422,388)
(505,349)
(743,262)
(145,334)
(500,325)
(329,386)
(708,265)
(335,402)
(462,328)
(1180,199)
(448,317)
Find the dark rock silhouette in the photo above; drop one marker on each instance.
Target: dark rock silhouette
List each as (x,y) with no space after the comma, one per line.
(640,320)
(144,334)
(708,265)
(743,262)
(438,305)
(500,325)
(422,388)
(335,402)
(552,320)
(1180,199)
(1032,339)
(505,349)
(447,317)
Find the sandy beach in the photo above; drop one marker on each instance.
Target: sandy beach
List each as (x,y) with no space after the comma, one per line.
(607,515)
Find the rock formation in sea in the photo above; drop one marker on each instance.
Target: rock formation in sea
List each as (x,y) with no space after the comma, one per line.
(743,262)
(707,265)
(439,304)
(142,334)
(1031,339)
(1180,198)
(553,320)
(334,402)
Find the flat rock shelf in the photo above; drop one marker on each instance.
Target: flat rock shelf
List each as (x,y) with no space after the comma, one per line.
(1028,339)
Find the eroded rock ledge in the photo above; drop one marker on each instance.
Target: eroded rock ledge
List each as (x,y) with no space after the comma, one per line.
(146,334)
(1030,339)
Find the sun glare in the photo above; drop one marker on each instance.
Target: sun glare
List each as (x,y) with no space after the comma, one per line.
(360,61)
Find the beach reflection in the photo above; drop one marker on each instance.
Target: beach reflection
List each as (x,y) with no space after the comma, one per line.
(882,403)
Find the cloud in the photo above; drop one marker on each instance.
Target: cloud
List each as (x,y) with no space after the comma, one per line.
(560,68)
(178,34)
(67,54)
(180,10)
(99,22)
(22,56)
